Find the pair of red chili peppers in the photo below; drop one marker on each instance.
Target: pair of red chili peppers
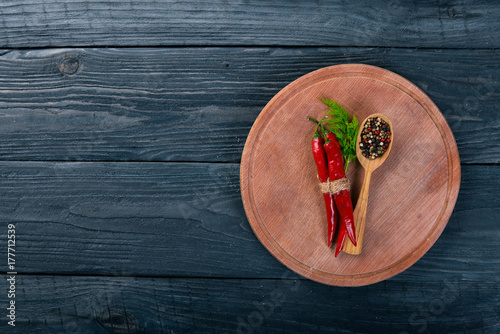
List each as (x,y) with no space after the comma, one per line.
(330,164)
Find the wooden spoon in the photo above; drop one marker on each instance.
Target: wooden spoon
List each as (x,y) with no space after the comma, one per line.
(362,204)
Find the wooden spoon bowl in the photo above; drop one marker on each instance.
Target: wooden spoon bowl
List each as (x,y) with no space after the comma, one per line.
(361,207)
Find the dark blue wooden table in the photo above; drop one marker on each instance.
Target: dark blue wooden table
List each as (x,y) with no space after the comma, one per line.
(122,125)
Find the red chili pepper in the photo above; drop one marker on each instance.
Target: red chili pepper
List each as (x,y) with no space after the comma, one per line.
(322,166)
(341,237)
(342,198)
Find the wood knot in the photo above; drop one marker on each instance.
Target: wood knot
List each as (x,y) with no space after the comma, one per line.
(69,65)
(117,321)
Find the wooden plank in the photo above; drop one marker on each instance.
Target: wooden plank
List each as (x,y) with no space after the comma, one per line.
(198,104)
(124,218)
(65,304)
(453,24)
(172,219)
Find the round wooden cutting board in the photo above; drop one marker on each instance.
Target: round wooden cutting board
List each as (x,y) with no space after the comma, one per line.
(412,194)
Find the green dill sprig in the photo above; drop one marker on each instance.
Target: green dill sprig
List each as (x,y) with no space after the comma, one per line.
(346,131)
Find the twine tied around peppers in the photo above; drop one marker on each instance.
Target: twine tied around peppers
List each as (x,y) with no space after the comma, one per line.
(334,187)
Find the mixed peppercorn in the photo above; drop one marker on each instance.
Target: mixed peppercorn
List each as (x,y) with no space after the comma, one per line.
(375,138)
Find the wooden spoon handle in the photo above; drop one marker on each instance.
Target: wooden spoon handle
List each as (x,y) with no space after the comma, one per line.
(359,216)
